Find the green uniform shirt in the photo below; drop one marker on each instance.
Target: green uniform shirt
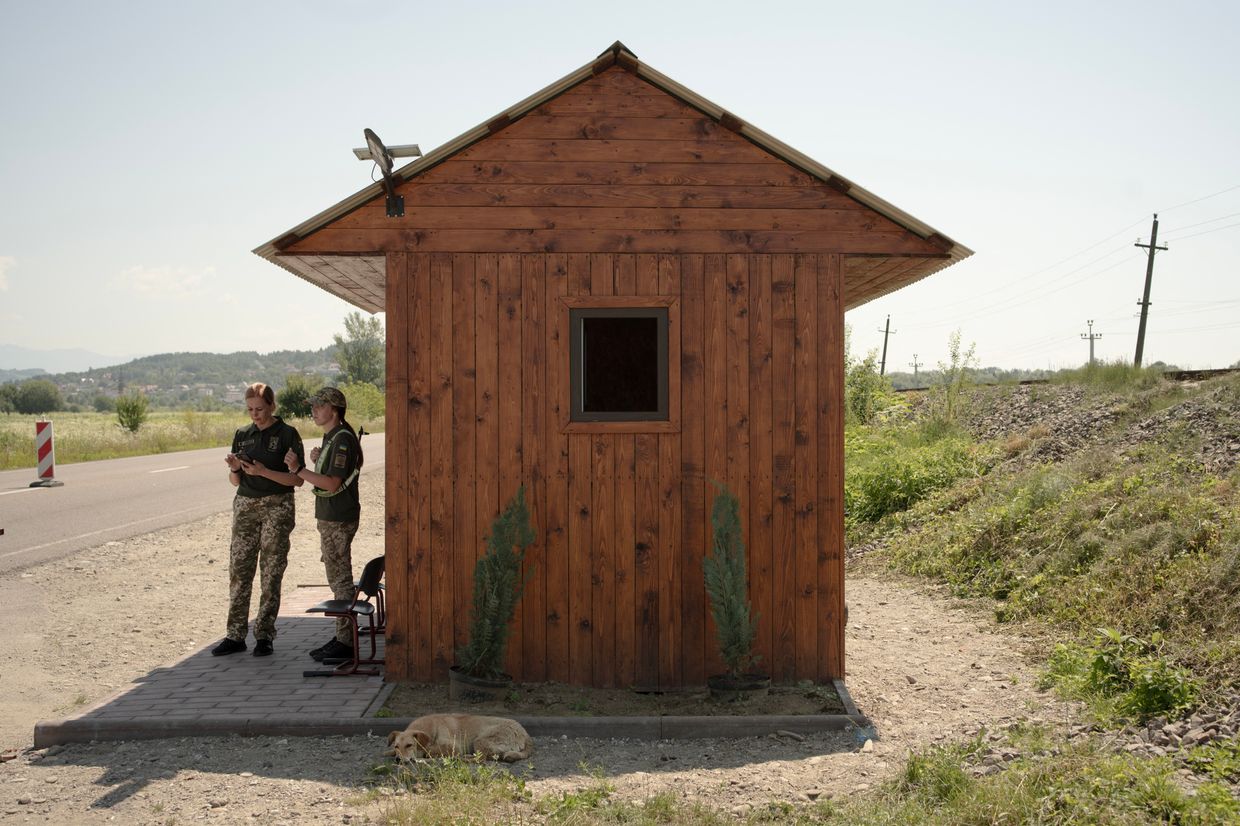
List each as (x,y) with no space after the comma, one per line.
(340,460)
(267,446)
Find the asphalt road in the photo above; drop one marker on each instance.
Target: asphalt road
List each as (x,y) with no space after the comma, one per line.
(116,499)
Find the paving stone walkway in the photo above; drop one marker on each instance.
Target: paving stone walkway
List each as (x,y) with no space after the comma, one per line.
(217,692)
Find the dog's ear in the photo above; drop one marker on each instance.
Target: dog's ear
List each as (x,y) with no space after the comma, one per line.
(423,740)
(392,737)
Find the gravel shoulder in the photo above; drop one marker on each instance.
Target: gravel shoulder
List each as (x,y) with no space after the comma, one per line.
(926,669)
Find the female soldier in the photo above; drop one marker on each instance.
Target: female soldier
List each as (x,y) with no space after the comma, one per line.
(263,517)
(337,505)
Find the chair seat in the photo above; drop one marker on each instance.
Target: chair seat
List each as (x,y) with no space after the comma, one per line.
(342,606)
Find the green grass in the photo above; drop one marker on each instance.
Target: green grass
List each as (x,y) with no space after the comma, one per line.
(1053,783)
(84,437)
(890,469)
(1114,376)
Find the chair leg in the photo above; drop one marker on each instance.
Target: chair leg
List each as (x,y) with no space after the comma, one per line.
(351,666)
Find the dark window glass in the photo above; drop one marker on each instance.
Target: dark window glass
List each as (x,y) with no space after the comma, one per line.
(619,364)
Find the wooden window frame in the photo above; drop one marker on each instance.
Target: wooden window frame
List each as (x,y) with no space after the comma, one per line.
(626,302)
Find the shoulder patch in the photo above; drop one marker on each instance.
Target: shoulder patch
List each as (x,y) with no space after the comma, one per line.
(340,459)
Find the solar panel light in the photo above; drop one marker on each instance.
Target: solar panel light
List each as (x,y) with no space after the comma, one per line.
(382,156)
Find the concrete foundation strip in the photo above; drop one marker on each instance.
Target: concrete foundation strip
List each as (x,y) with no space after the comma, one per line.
(84,730)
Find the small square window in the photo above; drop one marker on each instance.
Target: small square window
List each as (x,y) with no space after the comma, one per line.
(619,364)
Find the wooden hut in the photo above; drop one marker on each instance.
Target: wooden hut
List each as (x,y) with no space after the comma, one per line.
(616,294)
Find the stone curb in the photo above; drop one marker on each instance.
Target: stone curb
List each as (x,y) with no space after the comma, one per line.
(84,730)
(57,732)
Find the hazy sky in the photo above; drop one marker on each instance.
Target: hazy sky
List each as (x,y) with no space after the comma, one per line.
(146,148)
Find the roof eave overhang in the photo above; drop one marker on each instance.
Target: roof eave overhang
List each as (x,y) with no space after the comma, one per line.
(618,55)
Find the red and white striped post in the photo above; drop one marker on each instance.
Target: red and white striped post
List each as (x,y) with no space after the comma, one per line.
(45,450)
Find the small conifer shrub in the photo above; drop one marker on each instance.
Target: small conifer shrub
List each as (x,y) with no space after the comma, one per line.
(497,589)
(726,581)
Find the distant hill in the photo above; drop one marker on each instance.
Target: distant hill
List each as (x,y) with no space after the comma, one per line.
(204,380)
(30,362)
(242,367)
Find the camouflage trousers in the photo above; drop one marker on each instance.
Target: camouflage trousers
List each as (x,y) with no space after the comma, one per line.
(336,542)
(260,532)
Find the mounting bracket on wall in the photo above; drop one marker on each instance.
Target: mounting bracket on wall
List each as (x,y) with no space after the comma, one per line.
(382,156)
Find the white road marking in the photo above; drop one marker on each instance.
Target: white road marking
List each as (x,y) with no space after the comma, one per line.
(19,490)
(165,470)
(103,530)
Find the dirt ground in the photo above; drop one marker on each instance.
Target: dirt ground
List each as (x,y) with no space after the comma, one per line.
(925,669)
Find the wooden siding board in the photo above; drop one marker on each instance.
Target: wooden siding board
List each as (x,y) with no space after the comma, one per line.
(396,488)
(625,560)
(648,556)
(440,450)
(738,469)
(464,436)
(486,398)
(556,445)
(761,574)
(623,218)
(719,150)
(580,537)
(783,469)
(716,412)
(830,470)
(806,452)
(657,105)
(671,505)
(698,173)
(603,516)
(425,194)
(688,616)
(533,375)
(345,241)
(611,127)
(509,366)
(419,428)
(626,274)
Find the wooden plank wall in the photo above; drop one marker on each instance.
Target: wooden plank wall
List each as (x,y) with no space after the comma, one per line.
(616,188)
(615,594)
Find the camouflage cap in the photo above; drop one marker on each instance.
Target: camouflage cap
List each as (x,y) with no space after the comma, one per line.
(329,395)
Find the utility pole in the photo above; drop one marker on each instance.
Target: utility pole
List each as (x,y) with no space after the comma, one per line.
(1091,338)
(914,364)
(886,331)
(1152,246)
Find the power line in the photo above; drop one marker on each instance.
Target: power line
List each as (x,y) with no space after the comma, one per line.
(1207,232)
(1203,198)
(1203,223)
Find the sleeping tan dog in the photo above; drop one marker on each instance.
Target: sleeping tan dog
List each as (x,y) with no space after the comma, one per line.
(461,735)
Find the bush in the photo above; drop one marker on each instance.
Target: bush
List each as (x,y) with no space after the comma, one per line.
(954,379)
(37,396)
(294,399)
(497,589)
(104,404)
(727,584)
(366,402)
(131,411)
(1122,676)
(899,472)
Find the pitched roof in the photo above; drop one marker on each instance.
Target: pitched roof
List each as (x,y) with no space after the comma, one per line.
(359,279)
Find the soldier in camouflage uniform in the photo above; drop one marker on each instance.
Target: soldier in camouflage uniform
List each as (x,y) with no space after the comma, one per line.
(263,518)
(337,505)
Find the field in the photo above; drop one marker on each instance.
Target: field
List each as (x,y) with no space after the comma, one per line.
(85,437)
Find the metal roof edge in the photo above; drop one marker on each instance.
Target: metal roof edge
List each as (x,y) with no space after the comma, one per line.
(958,252)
